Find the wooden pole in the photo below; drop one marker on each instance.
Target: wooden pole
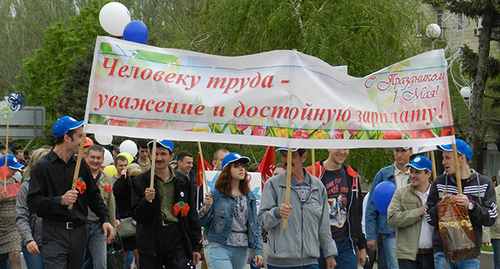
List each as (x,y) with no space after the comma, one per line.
(313,161)
(203,168)
(433,160)
(77,167)
(6,149)
(457,168)
(153,163)
(288,182)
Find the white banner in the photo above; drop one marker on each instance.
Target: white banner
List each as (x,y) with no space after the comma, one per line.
(279,98)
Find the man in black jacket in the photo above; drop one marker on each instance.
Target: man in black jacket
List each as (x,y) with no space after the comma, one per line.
(168,228)
(50,194)
(346,207)
(478,196)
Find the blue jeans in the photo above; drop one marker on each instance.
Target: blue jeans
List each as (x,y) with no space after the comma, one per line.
(224,256)
(389,248)
(129,259)
(33,261)
(346,258)
(441,263)
(496,252)
(4,261)
(96,247)
(310,266)
(422,262)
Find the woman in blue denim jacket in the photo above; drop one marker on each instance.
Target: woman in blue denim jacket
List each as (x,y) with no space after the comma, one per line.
(230,212)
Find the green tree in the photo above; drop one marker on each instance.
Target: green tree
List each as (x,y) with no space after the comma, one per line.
(365,35)
(48,68)
(22,29)
(480,67)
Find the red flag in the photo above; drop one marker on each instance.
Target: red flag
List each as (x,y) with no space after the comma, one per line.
(200,169)
(4,171)
(267,165)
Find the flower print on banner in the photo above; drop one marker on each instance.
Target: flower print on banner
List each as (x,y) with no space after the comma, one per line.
(390,135)
(420,134)
(300,134)
(281,132)
(152,124)
(447,131)
(259,131)
(337,134)
(116,122)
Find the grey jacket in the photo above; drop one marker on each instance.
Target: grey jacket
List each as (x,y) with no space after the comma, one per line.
(308,226)
(29,225)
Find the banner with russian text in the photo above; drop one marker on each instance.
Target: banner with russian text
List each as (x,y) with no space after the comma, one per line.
(277,98)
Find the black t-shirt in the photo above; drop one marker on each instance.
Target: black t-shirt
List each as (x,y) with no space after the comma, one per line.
(337,190)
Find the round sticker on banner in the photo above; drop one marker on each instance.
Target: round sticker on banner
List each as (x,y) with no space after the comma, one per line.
(182,194)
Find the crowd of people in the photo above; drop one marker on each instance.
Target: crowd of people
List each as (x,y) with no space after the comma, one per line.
(155,208)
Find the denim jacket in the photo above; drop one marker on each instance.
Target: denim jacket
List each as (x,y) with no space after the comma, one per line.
(220,220)
(373,218)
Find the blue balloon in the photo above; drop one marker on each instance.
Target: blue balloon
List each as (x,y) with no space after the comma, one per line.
(136,31)
(382,196)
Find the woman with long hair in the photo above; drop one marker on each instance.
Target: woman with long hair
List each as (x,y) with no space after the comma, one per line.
(29,224)
(123,191)
(230,211)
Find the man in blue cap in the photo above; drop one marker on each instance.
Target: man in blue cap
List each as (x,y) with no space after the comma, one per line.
(375,223)
(405,212)
(50,194)
(168,227)
(478,196)
(307,213)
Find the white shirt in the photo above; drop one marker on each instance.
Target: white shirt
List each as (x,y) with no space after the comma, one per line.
(426,230)
(401,177)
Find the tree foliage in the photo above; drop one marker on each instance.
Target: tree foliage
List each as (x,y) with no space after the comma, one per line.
(48,68)
(365,35)
(22,29)
(480,67)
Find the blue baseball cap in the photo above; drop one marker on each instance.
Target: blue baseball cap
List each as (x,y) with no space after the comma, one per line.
(462,148)
(64,124)
(11,162)
(420,163)
(234,157)
(283,148)
(163,143)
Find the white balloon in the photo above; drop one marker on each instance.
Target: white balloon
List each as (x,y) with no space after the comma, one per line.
(103,138)
(108,158)
(129,146)
(113,18)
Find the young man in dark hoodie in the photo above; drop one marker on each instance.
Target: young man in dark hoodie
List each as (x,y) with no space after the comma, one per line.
(346,207)
(478,196)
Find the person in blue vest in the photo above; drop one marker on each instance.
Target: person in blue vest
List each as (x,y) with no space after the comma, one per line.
(376,224)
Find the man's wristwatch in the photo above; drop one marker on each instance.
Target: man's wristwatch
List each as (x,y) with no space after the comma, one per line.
(470,206)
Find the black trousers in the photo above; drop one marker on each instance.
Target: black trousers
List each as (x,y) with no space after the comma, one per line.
(62,248)
(170,250)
